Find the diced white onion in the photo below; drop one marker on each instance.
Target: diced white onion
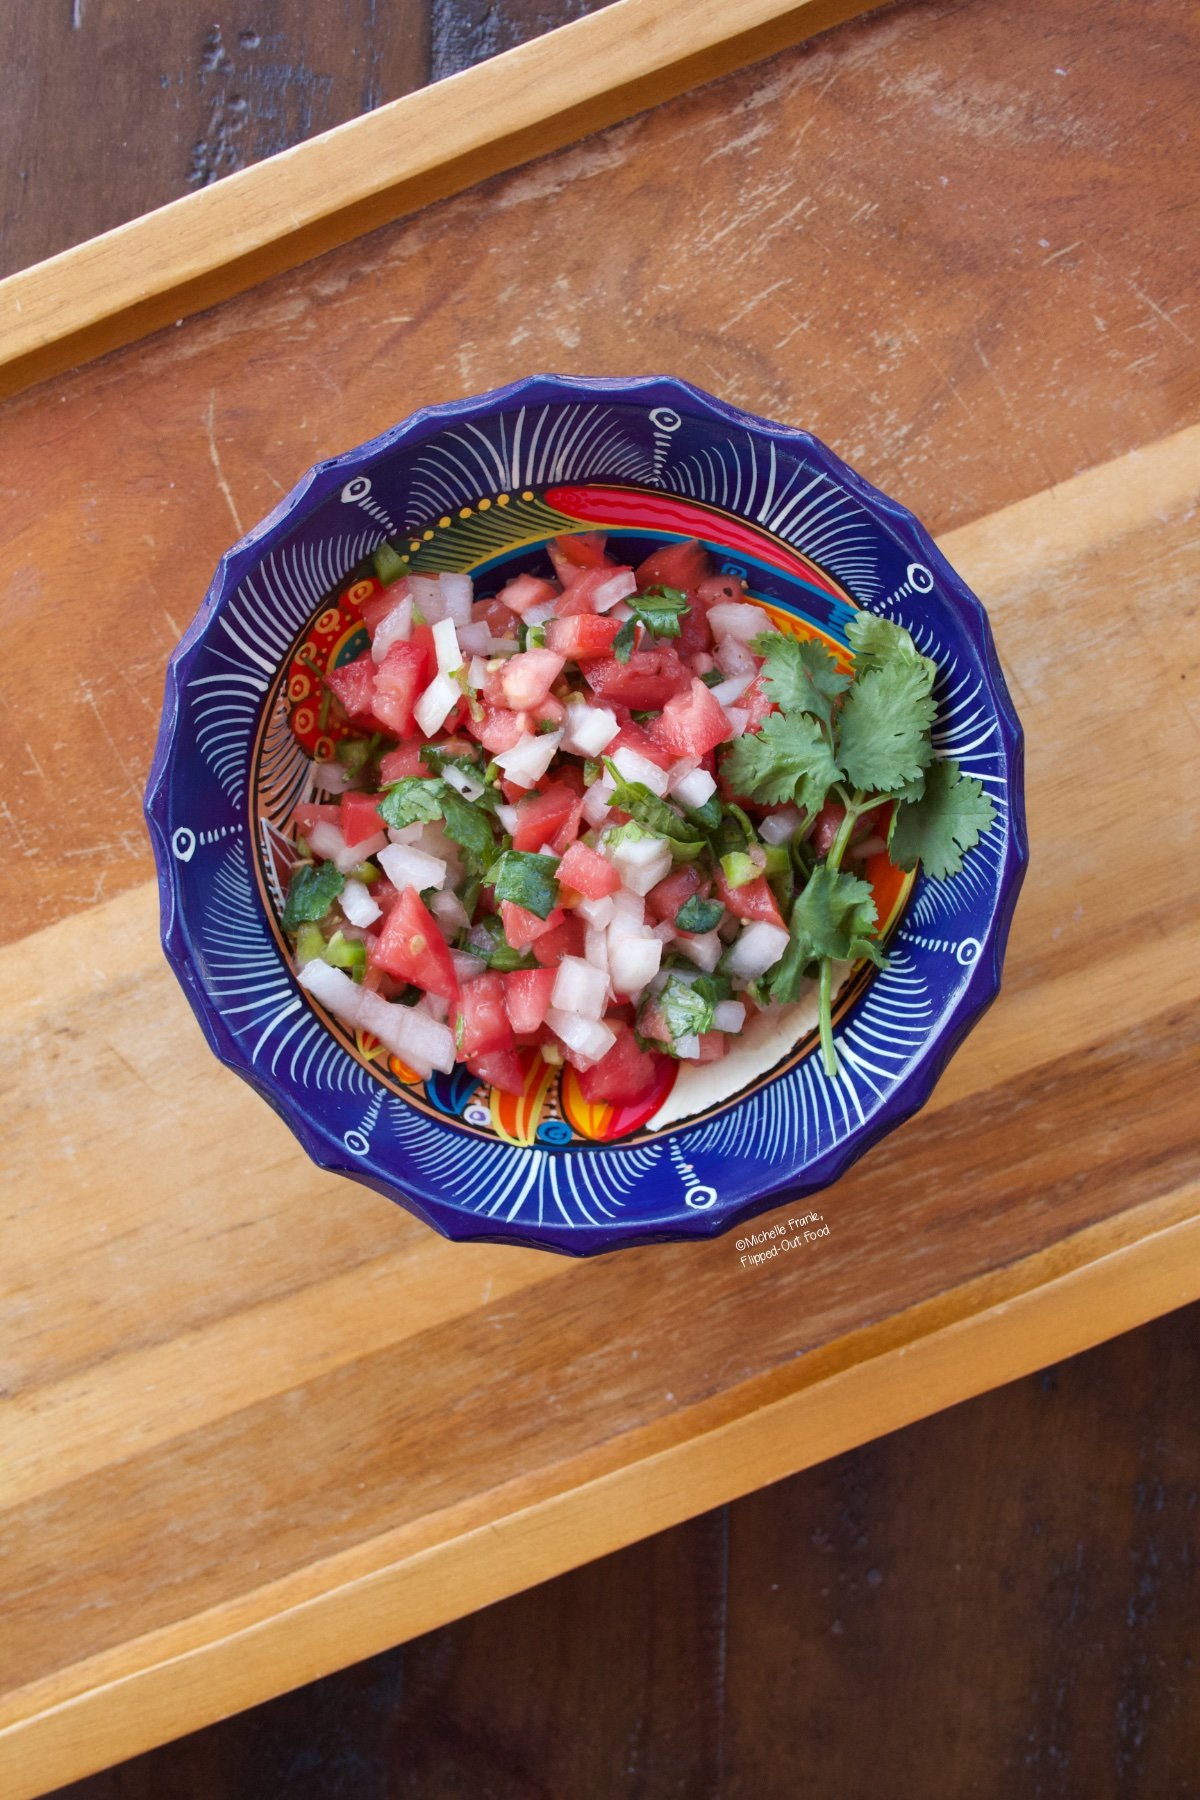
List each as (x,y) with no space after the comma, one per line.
(428,598)
(406,866)
(679,770)
(780,827)
(334,989)
(358,905)
(579,987)
(695,788)
(595,948)
(545,609)
(325,840)
(738,619)
(409,1033)
(687,1048)
(595,802)
(436,703)
(729,1015)
(596,913)
(588,729)
(436,1005)
(502,646)
(330,777)
(617,587)
(530,757)
(475,638)
(509,817)
(445,644)
(639,768)
(450,913)
(726,692)
(589,1039)
(704,950)
(641,862)
(467,785)
(629,908)
(458,597)
(663,931)
(467,967)
(632,962)
(757,949)
(394,628)
(736,658)
(738,720)
(353,854)
(477,672)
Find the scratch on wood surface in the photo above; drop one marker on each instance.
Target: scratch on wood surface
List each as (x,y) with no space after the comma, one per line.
(1160,311)
(134,785)
(215,457)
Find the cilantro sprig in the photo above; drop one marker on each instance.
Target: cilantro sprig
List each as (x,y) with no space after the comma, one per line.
(659,610)
(866,740)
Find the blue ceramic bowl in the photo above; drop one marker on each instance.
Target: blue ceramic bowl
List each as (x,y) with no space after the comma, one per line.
(480,485)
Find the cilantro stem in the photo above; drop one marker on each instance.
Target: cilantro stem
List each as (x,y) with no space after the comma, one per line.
(829,1054)
(856,804)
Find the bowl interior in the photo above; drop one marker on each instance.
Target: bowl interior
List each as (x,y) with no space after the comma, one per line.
(481,488)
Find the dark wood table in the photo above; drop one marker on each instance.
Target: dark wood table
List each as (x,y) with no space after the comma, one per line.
(999,1601)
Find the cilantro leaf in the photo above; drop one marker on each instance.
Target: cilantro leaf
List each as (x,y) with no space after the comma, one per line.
(833,916)
(632,833)
(635,798)
(527,880)
(660,609)
(414,800)
(788,758)
(469,825)
(623,643)
(312,890)
(487,940)
(883,727)
(876,642)
(699,915)
(799,674)
(688,1006)
(943,824)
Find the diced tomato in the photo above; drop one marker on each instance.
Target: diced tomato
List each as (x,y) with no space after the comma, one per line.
(523,928)
(584,635)
(695,633)
(717,589)
(567,939)
(402,762)
(524,591)
(753,900)
(579,594)
(684,565)
(384,893)
(499,1069)
(691,724)
(480,1018)
(549,711)
(354,685)
(713,1045)
(674,890)
(581,550)
(411,947)
(645,682)
(540,816)
(360,817)
(498,729)
(399,681)
(376,609)
(527,678)
(527,996)
(308,814)
(624,1074)
(500,620)
(587,873)
(755,702)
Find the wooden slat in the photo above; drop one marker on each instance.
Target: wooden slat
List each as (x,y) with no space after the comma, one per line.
(530,1413)
(235,233)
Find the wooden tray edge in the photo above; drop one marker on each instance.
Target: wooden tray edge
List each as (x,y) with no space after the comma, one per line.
(1103,1281)
(536,98)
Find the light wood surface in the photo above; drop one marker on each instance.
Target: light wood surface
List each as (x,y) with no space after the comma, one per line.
(258,1422)
(227,237)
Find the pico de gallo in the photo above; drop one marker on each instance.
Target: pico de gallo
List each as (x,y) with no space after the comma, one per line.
(608,813)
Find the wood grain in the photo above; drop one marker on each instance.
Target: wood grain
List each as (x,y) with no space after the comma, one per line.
(224,239)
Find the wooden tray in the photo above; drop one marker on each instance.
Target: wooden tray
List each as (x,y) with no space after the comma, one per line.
(258,1423)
